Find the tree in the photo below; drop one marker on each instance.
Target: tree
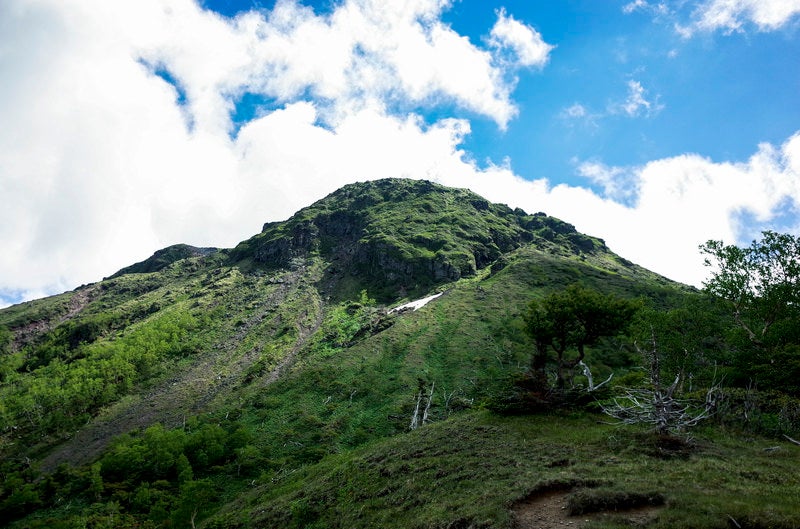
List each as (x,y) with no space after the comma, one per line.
(761,282)
(761,285)
(195,498)
(572,320)
(658,404)
(689,336)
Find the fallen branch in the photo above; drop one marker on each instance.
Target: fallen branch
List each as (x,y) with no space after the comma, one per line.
(795,441)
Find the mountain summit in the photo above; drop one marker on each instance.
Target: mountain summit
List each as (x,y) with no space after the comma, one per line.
(401,236)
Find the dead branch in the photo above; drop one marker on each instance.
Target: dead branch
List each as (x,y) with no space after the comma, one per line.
(416,421)
(792,440)
(415,415)
(428,405)
(588,374)
(660,408)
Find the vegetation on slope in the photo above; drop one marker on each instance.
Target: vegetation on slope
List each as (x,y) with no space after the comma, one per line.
(246,368)
(400,237)
(471,470)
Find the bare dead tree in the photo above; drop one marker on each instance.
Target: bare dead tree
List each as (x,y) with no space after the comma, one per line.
(416,419)
(415,416)
(661,409)
(448,398)
(428,405)
(658,405)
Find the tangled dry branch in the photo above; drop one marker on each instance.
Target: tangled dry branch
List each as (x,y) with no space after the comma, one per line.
(660,408)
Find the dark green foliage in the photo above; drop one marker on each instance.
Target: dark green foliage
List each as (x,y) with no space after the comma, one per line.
(691,341)
(763,412)
(573,319)
(158,475)
(403,236)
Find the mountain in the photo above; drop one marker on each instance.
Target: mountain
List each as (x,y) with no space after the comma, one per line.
(402,236)
(164,257)
(274,385)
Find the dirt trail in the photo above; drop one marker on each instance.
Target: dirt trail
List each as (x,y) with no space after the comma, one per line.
(549,511)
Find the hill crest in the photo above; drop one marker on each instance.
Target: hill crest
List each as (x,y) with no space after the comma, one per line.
(411,234)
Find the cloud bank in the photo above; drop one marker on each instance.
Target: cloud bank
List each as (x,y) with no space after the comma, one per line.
(122,133)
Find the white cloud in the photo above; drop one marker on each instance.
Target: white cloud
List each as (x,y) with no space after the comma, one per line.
(636,5)
(727,16)
(373,51)
(731,15)
(618,183)
(527,44)
(575,111)
(656,8)
(685,200)
(636,103)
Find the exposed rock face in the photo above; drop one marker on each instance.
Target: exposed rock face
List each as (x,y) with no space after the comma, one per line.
(406,233)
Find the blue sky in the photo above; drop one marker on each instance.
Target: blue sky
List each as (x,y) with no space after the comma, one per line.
(133,125)
(719,94)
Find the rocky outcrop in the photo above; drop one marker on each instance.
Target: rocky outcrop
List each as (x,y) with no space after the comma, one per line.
(406,233)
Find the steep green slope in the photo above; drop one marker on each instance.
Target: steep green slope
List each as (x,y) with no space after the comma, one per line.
(277,353)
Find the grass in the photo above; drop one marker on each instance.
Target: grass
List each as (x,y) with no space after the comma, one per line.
(470,471)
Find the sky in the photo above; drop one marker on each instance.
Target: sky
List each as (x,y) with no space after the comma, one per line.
(131,125)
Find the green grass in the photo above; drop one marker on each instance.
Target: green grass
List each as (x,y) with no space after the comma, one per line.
(470,470)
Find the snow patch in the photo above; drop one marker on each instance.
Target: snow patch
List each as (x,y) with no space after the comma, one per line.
(414,305)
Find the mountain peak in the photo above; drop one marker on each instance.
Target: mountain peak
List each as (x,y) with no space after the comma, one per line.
(401,235)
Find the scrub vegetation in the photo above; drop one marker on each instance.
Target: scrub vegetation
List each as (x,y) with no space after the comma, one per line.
(271,385)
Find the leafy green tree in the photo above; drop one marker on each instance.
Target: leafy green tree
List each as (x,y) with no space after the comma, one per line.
(761,282)
(690,339)
(196,497)
(184,469)
(571,320)
(761,286)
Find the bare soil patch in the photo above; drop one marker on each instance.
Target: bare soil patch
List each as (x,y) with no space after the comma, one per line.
(550,510)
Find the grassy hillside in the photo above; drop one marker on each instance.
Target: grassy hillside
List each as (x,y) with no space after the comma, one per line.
(230,388)
(479,469)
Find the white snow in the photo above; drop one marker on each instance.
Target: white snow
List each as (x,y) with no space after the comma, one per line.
(414,305)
